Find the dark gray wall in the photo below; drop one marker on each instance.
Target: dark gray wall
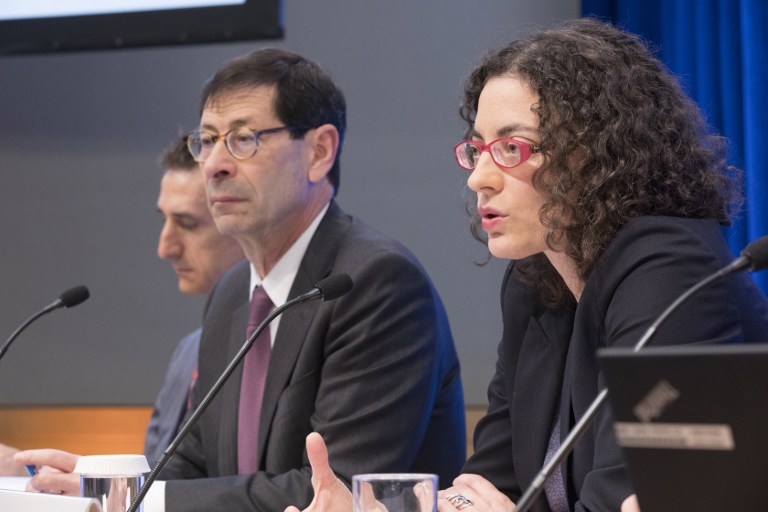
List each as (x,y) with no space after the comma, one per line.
(79,141)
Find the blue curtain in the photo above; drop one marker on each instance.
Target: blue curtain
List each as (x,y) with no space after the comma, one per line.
(719,51)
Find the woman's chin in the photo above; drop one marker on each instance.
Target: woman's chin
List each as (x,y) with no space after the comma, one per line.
(504,250)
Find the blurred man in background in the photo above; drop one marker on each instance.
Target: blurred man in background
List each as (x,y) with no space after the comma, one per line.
(199,255)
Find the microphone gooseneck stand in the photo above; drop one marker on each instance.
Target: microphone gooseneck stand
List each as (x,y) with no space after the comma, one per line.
(68,299)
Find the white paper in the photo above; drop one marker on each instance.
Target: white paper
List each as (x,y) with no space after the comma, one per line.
(14,483)
(20,501)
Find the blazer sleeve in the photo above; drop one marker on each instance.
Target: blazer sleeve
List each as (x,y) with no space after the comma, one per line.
(492,442)
(389,354)
(492,457)
(649,264)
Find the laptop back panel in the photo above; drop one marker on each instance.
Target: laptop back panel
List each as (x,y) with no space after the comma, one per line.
(693,424)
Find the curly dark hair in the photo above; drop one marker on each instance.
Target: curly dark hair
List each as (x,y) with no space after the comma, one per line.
(620,139)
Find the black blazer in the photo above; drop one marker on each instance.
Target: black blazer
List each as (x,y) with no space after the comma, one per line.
(375,372)
(547,364)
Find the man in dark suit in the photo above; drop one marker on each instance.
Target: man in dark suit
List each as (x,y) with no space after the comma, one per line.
(375,371)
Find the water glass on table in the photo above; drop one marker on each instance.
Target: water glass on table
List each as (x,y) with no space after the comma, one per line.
(394,492)
(114,480)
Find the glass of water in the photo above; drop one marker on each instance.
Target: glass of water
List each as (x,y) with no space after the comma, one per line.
(394,492)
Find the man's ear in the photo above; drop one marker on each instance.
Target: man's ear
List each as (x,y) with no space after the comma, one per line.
(325,145)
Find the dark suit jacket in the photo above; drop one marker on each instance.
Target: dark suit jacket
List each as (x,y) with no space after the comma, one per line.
(547,362)
(375,372)
(171,403)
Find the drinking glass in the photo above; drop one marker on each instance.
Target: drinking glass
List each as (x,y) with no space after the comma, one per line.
(394,492)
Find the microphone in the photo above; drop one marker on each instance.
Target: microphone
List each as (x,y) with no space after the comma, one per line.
(68,299)
(330,288)
(71,298)
(753,257)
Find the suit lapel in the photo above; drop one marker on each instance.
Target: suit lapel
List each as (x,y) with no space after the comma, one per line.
(230,393)
(294,323)
(539,387)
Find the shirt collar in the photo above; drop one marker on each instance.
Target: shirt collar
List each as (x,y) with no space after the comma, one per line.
(278,282)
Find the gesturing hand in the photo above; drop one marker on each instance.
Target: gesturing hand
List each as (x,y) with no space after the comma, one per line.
(331,495)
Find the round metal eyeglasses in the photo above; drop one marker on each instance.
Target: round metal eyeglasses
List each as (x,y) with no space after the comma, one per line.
(241,142)
(507,153)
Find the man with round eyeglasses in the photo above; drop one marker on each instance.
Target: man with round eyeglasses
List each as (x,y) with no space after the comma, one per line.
(241,142)
(375,371)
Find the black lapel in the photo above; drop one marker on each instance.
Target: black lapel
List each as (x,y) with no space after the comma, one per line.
(230,392)
(294,323)
(538,388)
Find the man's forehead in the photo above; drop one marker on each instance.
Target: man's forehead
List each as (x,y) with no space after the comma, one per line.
(255,100)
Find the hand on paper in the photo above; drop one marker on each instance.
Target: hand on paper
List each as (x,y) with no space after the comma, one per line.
(54,474)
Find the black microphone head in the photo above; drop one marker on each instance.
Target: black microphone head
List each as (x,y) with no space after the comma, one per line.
(757,254)
(74,296)
(333,287)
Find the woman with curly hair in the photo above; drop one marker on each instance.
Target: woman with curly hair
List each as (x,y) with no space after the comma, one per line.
(598,178)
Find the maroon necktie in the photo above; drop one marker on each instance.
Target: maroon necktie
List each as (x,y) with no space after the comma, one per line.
(252,385)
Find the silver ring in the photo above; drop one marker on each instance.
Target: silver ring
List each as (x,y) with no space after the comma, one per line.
(459,501)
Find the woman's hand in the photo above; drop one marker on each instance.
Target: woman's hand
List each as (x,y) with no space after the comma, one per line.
(474,489)
(630,504)
(331,495)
